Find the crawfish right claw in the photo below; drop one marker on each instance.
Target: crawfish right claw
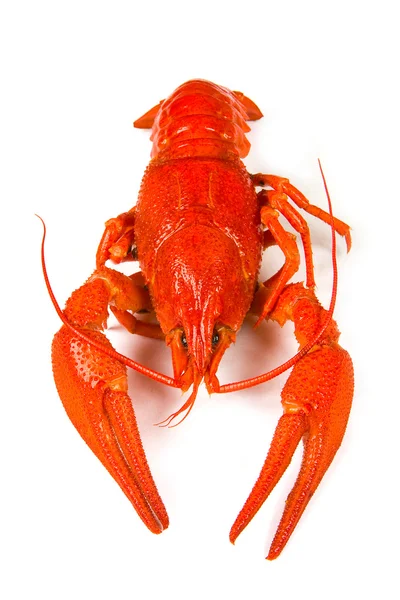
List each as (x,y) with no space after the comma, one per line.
(93,389)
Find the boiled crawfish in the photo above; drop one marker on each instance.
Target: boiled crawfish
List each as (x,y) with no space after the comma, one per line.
(198,231)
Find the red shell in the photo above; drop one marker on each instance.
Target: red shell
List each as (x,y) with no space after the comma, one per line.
(197,228)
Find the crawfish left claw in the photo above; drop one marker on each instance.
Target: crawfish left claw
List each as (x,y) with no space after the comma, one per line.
(316,400)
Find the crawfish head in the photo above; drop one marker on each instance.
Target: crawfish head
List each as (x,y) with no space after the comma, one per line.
(203,273)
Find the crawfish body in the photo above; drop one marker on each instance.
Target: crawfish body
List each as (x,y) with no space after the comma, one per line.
(198,231)
(197,225)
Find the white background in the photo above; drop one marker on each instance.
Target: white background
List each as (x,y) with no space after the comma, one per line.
(74,76)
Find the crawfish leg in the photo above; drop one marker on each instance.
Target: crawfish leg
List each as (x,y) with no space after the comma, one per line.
(279,201)
(136,298)
(93,389)
(284,188)
(316,401)
(118,245)
(118,240)
(270,290)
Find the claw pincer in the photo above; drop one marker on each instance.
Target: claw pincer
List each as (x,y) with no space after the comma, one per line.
(94,390)
(198,233)
(316,400)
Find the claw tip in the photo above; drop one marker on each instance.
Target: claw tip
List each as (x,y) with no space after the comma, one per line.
(233,537)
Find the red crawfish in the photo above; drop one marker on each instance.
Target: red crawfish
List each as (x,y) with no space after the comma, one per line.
(198,231)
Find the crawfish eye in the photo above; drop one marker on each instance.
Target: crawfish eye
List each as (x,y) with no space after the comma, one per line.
(184,340)
(215,339)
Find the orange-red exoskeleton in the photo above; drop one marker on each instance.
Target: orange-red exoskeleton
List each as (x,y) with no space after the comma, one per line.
(198,231)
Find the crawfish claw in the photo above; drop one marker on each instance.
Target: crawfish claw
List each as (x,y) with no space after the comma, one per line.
(99,407)
(316,400)
(93,389)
